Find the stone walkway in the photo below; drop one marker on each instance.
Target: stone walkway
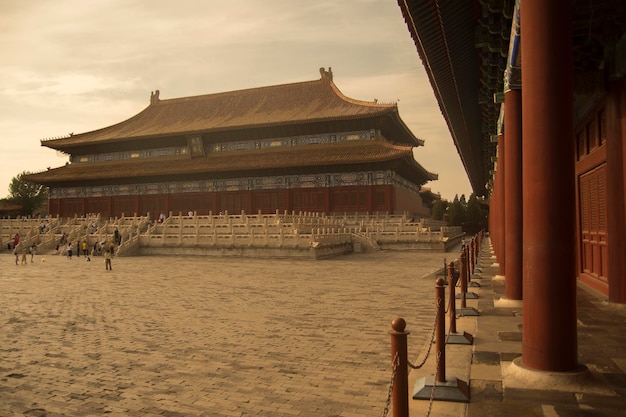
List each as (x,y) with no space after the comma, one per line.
(195,336)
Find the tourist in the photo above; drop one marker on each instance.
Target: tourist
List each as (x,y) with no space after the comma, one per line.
(69,250)
(33,249)
(17,256)
(85,248)
(24,257)
(107,260)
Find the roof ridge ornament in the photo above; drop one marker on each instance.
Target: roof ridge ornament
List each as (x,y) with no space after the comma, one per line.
(154,97)
(326,75)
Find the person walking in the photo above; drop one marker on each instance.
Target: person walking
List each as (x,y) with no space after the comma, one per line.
(86,250)
(24,257)
(33,249)
(107,260)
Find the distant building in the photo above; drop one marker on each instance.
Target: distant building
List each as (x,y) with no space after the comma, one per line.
(296,147)
(7,206)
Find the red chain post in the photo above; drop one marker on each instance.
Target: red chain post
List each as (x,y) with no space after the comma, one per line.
(463,276)
(470,251)
(440,331)
(452,308)
(399,365)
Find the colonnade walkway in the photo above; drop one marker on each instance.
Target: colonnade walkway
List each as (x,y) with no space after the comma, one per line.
(499,388)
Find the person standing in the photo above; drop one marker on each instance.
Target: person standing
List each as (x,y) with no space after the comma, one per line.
(24,257)
(107,260)
(33,249)
(69,250)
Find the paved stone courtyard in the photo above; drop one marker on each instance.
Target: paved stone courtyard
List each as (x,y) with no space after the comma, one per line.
(196,336)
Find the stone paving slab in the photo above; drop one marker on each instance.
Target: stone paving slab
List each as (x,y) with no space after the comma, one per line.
(195,336)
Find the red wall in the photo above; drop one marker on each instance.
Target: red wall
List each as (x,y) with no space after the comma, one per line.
(382,198)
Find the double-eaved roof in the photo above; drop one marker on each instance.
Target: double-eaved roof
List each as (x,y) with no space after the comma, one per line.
(308,107)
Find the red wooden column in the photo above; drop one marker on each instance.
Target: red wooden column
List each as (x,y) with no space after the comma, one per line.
(500,254)
(549,249)
(494,212)
(616,190)
(513,200)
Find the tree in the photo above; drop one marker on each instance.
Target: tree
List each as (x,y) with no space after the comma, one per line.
(29,196)
(456,212)
(439,209)
(474,217)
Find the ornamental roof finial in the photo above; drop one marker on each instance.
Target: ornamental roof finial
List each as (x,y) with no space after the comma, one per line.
(154,97)
(326,75)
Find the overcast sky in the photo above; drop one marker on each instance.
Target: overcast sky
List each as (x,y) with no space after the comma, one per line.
(76,66)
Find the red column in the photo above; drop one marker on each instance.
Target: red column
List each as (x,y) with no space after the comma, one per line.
(500,254)
(513,200)
(493,216)
(549,250)
(616,189)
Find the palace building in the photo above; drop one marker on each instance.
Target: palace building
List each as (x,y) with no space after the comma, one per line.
(295,147)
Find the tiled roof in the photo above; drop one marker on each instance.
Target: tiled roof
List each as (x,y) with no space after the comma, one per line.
(6,206)
(215,163)
(295,103)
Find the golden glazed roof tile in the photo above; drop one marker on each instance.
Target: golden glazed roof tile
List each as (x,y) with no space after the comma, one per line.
(300,102)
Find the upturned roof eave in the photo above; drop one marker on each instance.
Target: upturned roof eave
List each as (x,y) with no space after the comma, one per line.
(316,155)
(58,145)
(223,112)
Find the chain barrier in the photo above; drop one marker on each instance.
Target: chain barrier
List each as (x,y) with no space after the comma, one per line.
(427,347)
(445,311)
(438,363)
(396,362)
(429,343)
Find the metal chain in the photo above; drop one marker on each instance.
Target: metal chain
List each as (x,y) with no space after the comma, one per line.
(396,362)
(450,301)
(428,342)
(432,391)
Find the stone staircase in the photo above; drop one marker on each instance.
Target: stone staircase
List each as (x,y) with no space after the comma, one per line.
(283,235)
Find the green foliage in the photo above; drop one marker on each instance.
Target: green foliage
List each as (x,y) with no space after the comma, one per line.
(439,209)
(474,216)
(31,197)
(456,212)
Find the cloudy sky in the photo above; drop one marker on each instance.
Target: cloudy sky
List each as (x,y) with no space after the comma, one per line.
(76,66)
